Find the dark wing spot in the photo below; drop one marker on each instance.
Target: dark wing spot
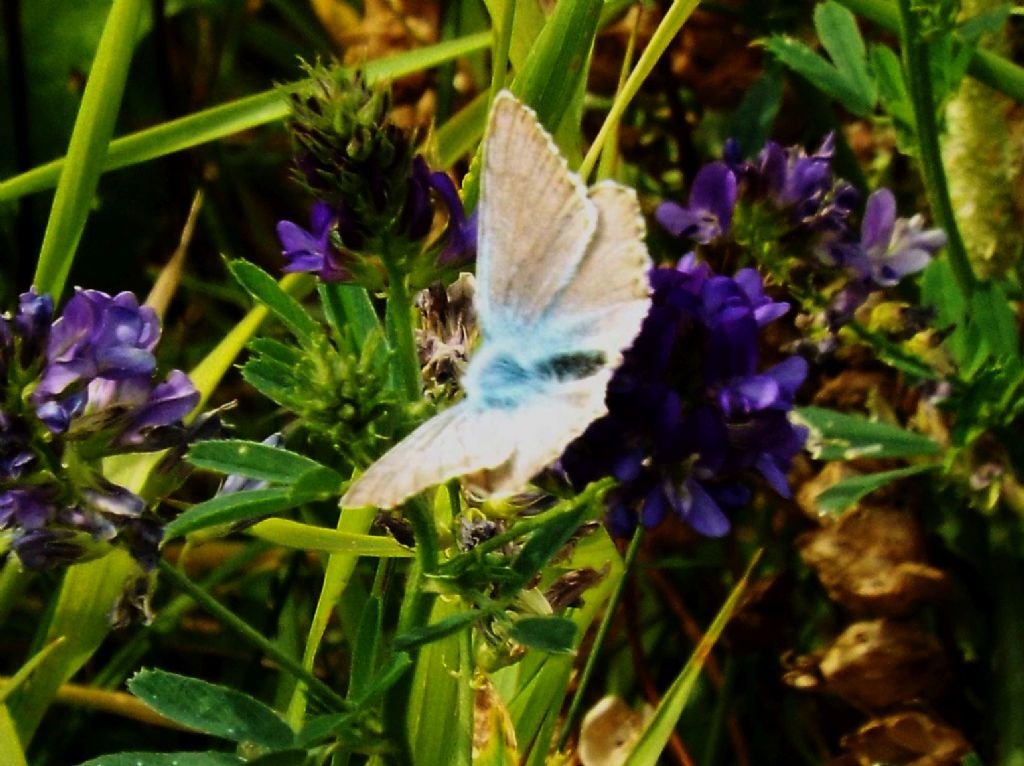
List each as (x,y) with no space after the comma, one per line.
(575,365)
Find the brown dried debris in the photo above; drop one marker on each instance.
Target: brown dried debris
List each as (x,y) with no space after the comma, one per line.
(874,665)
(909,738)
(872,560)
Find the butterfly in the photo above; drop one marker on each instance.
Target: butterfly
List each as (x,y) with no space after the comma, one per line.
(561,291)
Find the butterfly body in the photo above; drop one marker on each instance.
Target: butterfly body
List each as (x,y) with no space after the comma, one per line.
(561,291)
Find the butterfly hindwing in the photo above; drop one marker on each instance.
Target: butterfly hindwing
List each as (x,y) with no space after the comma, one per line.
(535,221)
(462,439)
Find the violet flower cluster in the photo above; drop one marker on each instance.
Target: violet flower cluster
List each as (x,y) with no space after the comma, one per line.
(78,390)
(691,412)
(375,198)
(785,195)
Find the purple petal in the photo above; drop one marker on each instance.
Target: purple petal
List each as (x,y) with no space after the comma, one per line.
(714,191)
(700,511)
(790,375)
(879,220)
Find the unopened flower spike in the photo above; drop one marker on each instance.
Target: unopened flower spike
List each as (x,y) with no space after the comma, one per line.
(375,198)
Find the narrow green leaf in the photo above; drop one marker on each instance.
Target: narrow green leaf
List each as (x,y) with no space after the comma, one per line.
(265,289)
(365,649)
(817,71)
(25,671)
(231,509)
(461,134)
(558,60)
(838,436)
(659,728)
(236,116)
(318,483)
(996,320)
(892,87)
(11,752)
(166,759)
(847,492)
(837,29)
(87,149)
(436,630)
(337,574)
(217,710)
(274,379)
(389,675)
(556,635)
(752,121)
(82,617)
(293,534)
(282,353)
(281,758)
(545,542)
(251,459)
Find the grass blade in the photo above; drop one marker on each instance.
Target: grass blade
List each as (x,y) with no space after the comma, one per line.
(94,126)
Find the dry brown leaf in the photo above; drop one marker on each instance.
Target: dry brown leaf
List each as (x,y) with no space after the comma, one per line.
(872,559)
(875,664)
(912,738)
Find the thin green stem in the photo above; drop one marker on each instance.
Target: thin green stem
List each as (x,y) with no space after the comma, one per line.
(916,64)
(602,633)
(673,20)
(502,43)
(400,331)
(244,630)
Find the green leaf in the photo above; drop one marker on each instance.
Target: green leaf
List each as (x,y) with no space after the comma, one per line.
(11,753)
(556,635)
(461,134)
(217,710)
(275,350)
(366,649)
(545,542)
(282,758)
(847,492)
(230,509)
(892,91)
(838,436)
(558,61)
(437,630)
(752,121)
(659,728)
(294,534)
(166,759)
(318,483)
(996,321)
(817,71)
(389,675)
(94,126)
(350,311)
(265,289)
(252,460)
(837,28)
(274,379)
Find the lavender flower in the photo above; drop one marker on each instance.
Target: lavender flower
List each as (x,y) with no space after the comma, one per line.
(709,212)
(312,251)
(689,412)
(75,391)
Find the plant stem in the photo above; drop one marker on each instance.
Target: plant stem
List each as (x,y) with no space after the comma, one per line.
(250,634)
(400,333)
(602,633)
(916,66)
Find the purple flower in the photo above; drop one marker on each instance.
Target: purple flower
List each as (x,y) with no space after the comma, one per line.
(891,247)
(689,410)
(461,246)
(89,378)
(312,251)
(709,213)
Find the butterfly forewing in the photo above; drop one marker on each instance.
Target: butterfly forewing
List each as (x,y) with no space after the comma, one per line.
(535,220)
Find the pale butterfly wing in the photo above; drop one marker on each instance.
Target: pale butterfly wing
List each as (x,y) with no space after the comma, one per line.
(608,297)
(535,220)
(460,440)
(540,429)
